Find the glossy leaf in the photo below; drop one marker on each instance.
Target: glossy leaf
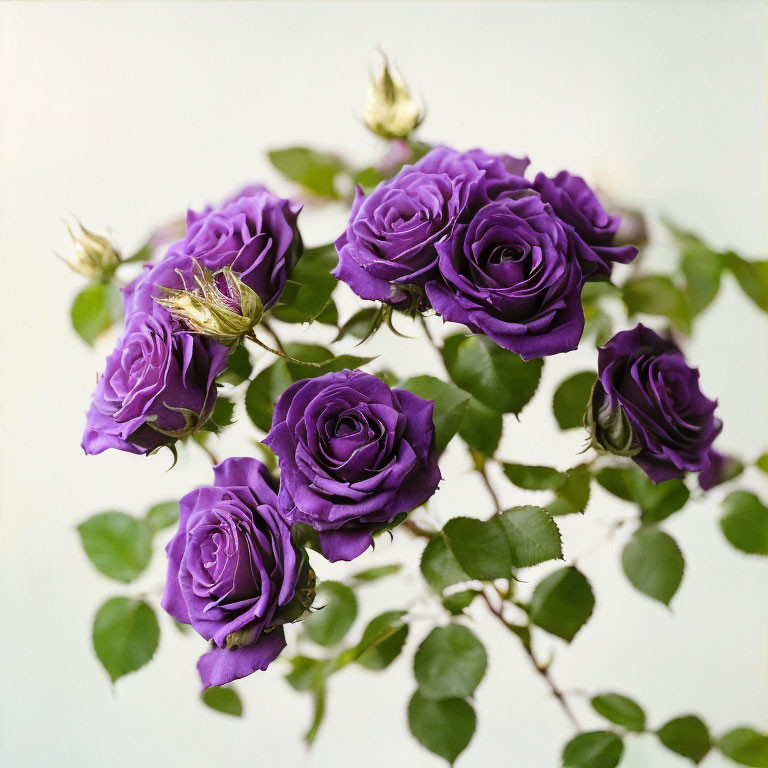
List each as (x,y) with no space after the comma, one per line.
(654,564)
(337,609)
(125,635)
(119,545)
(562,603)
(687,736)
(439,565)
(480,547)
(444,727)
(573,495)
(224,700)
(162,515)
(533,477)
(382,640)
(263,392)
(481,428)
(657,295)
(570,399)
(315,171)
(745,746)
(745,523)
(532,534)
(752,277)
(96,308)
(308,291)
(620,710)
(593,749)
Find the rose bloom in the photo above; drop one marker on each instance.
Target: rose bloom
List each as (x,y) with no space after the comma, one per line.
(159,384)
(389,244)
(354,454)
(254,233)
(646,391)
(233,572)
(578,206)
(510,274)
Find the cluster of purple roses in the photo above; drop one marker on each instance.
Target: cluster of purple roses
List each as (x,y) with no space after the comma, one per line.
(464,233)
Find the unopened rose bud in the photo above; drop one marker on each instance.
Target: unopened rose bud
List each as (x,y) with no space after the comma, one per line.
(94,255)
(390,111)
(221,305)
(608,426)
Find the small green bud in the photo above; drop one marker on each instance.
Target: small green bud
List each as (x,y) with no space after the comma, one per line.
(609,426)
(390,111)
(94,255)
(224,315)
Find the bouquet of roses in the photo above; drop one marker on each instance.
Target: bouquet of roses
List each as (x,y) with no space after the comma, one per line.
(524,264)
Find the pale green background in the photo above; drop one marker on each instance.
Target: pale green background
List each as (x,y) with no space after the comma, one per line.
(125,113)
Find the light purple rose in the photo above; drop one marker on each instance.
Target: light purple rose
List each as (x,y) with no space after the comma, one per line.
(647,404)
(255,234)
(354,454)
(233,571)
(577,205)
(510,274)
(389,244)
(159,384)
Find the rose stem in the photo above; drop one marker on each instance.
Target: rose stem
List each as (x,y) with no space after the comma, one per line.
(543,671)
(211,455)
(268,328)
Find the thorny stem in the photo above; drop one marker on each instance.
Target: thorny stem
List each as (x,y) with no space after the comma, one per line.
(541,669)
(416,529)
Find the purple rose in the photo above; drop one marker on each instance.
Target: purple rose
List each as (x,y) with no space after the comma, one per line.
(233,572)
(577,205)
(647,404)
(721,469)
(159,384)
(389,243)
(254,233)
(353,455)
(510,273)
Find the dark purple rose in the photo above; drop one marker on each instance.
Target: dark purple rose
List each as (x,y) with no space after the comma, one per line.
(233,572)
(509,273)
(577,205)
(159,384)
(353,455)
(647,404)
(254,233)
(721,469)
(389,243)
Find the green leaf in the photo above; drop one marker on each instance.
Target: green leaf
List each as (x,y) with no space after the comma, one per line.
(752,277)
(439,565)
(534,478)
(444,727)
(95,309)
(314,353)
(745,523)
(620,710)
(382,640)
(593,749)
(328,625)
(450,663)
(162,515)
(263,392)
(686,736)
(374,574)
(597,323)
(125,635)
(362,325)
(497,377)
(532,534)
(315,171)
(570,400)
(656,502)
(308,291)
(762,463)
(653,563)
(239,366)
(221,416)
(562,603)
(223,700)
(745,746)
(119,545)
(657,295)
(573,496)
(450,405)
(368,178)
(307,673)
(703,269)
(481,428)
(457,602)
(480,547)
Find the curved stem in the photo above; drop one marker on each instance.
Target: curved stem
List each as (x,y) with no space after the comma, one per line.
(268,328)
(542,670)
(208,452)
(481,470)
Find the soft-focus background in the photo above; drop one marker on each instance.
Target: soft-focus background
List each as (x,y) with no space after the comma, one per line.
(124,114)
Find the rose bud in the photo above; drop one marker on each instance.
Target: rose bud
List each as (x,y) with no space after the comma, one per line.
(509,273)
(390,111)
(220,306)
(94,255)
(234,573)
(578,206)
(158,386)
(354,454)
(254,234)
(646,403)
(387,252)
